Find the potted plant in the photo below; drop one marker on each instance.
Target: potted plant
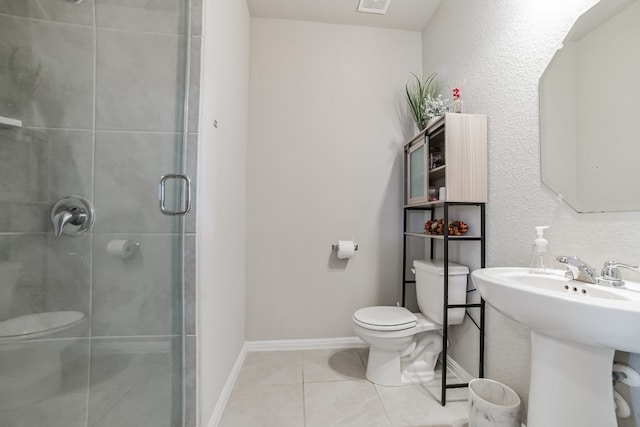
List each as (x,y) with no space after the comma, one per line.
(417,94)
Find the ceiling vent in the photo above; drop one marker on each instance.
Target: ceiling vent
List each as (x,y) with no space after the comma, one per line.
(374,6)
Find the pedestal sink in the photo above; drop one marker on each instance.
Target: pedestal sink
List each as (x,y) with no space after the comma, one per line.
(575,329)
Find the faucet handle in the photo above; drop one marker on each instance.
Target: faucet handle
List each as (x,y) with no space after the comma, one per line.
(60,219)
(72,215)
(611,270)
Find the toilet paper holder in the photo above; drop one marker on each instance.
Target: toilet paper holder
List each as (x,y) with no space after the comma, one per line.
(122,248)
(334,247)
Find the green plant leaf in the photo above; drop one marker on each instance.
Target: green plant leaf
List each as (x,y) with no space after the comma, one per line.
(416,95)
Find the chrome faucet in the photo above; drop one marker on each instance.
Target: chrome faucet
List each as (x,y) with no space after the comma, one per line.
(578,269)
(611,273)
(609,276)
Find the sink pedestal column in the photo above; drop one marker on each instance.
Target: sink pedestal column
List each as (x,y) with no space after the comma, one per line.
(570,384)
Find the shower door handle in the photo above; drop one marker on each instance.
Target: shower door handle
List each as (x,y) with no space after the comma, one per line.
(186,202)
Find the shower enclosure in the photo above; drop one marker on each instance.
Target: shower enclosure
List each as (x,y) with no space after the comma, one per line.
(98,100)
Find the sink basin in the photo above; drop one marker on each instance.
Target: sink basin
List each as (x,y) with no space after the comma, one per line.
(575,329)
(559,307)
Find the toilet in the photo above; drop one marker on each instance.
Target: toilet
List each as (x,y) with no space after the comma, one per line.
(404,346)
(31,346)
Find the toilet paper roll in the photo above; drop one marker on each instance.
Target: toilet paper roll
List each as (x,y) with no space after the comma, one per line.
(122,249)
(346,249)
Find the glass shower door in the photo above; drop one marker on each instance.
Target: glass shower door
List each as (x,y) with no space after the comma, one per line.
(92,104)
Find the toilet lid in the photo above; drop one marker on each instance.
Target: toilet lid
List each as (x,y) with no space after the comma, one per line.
(385,318)
(39,323)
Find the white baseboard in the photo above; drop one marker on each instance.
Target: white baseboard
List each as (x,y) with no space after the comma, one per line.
(305,344)
(228,387)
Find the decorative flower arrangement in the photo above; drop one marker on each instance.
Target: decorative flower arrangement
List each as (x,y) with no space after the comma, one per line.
(434,107)
(458,104)
(416,96)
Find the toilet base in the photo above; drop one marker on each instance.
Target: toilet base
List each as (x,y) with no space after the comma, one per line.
(411,364)
(31,365)
(30,374)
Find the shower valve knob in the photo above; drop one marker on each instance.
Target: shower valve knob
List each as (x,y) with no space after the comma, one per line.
(72,215)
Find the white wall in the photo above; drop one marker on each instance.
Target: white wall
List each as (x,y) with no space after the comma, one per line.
(327,127)
(501,48)
(221,244)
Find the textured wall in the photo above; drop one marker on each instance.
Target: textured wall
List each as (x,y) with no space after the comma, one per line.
(501,48)
(324,163)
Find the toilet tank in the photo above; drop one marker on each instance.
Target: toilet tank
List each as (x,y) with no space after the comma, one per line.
(430,289)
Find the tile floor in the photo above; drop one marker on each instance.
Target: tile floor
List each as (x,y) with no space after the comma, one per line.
(327,388)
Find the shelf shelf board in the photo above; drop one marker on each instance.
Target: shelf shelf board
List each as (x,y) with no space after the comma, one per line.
(438,172)
(441,203)
(441,237)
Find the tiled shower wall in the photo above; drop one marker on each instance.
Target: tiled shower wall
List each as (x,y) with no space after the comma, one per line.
(99,88)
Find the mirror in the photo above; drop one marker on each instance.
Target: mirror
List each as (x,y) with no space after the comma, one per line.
(590,114)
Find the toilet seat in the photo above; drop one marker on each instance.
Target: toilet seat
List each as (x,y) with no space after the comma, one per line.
(385,318)
(31,326)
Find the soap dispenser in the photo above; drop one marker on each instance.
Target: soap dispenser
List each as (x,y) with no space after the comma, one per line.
(540,262)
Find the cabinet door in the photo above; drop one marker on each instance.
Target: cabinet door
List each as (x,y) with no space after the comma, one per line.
(466,150)
(417,173)
(437,157)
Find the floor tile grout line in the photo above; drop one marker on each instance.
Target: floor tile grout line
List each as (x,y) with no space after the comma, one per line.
(360,380)
(311,357)
(384,407)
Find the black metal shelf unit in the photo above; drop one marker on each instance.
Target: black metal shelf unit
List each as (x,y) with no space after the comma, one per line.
(446,238)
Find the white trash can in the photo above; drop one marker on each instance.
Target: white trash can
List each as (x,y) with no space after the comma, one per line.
(492,404)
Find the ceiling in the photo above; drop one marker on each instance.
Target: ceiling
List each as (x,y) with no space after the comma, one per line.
(410,15)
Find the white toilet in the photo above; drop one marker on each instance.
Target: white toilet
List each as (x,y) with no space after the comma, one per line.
(31,347)
(404,346)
